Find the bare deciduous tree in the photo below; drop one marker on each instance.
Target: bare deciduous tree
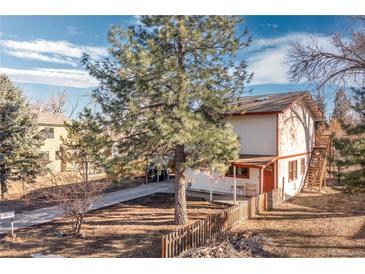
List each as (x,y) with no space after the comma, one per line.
(58,103)
(75,199)
(55,102)
(346,63)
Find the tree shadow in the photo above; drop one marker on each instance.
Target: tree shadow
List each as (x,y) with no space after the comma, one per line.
(336,202)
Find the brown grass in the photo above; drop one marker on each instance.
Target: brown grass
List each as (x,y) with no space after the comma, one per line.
(130,229)
(313,225)
(35,198)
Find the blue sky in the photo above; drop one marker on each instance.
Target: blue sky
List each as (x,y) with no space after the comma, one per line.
(41,53)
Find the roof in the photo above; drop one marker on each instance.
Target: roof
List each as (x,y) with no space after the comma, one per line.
(254,160)
(49,118)
(274,103)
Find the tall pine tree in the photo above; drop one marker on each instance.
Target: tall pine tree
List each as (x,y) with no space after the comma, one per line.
(352,147)
(320,101)
(165,90)
(20,137)
(342,106)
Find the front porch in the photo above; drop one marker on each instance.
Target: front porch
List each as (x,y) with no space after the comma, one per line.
(248,176)
(219,198)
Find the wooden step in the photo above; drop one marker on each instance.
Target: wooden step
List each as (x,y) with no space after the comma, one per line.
(316,164)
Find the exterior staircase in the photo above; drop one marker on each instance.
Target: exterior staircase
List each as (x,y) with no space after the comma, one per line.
(316,174)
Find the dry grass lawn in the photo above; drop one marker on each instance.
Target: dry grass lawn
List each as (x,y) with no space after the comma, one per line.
(36,198)
(313,225)
(129,229)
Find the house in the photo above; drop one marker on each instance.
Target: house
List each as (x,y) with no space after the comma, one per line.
(277,137)
(53,127)
(54,152)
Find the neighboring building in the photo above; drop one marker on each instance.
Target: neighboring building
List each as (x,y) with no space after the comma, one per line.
(53,126)
(277,134)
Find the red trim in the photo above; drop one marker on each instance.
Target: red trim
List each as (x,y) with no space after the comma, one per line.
(244,165)
(293,155)
(260,187)
(272,161)
(277,152)
(277,134)
(256,113)
(276,173)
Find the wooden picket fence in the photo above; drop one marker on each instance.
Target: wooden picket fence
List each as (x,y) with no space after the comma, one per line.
(198,233)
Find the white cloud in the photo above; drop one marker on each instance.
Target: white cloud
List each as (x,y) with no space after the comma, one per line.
(55,77)
(61,52)
(62,48)
(267,56)
(41,57)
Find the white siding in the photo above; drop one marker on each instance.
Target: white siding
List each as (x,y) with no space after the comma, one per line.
(257,133)
(53,145)
(199,180)
(296,136)
(293,187)
(296,131)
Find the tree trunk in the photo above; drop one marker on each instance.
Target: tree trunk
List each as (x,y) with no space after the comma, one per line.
(3,183)
(181,216)
(338,175)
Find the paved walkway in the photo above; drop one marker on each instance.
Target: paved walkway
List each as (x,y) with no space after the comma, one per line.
(47,214)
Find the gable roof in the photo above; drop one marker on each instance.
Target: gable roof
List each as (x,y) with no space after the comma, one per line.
(275,103)
(49,118)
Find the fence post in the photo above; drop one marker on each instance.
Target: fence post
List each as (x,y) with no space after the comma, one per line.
(163,252)
(198,233)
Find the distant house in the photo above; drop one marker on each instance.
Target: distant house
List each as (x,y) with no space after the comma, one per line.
(277,136)
(53,127)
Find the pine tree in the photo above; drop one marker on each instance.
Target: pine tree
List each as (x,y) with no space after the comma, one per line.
(165,90)
(352,147)
(87,144)
(320,101)
(20,138)
(342,106)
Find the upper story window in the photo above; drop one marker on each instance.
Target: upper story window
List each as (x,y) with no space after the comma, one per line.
(57,155)
(302,166)
(114,152)
(241,172)
(48,132)
(292,170)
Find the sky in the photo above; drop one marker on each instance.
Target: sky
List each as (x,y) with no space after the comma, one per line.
(41,54)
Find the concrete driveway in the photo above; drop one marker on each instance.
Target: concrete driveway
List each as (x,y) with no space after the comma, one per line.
(48,214)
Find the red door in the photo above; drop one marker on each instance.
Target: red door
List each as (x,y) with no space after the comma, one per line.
(269,183)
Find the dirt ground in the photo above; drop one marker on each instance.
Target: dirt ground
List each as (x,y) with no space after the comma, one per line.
(129,229)
(36,198)
(313,225)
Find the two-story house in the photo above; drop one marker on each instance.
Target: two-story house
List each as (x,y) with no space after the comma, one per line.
(53,127)
(277,134)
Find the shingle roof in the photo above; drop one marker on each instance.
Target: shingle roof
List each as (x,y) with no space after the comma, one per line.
(276,102)
(49,118)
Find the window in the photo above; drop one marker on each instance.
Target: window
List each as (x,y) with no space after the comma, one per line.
(57,155)
(302,166)
(293,170)
(241,172)
(114,152)
(48,132)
